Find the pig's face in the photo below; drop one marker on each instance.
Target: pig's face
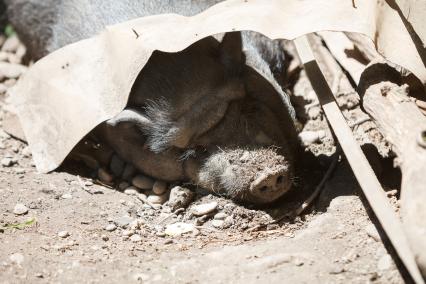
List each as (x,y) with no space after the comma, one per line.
(259,175)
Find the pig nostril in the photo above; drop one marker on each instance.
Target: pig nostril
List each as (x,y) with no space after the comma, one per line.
(263,188)
(280,179)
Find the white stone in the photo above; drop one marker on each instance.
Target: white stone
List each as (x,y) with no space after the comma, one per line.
(20,209)
(66,196)
(11,44)
(220,216)
(63,234)
(179,228)
(385,262)
(217,223)
(204,209)
(136,238)
(6,162)
(157,199)
(310,137)
(372,232)
(132,190)
(110,227)
(12,70)
(17,258)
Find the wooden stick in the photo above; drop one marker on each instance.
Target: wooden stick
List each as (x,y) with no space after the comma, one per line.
(359,164)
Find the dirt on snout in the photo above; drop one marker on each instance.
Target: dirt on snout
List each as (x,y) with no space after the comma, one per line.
(64,228)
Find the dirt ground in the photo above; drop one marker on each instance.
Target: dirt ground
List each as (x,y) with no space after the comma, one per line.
(64,228)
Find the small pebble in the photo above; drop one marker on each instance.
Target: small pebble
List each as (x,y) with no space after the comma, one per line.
(168,241)
(179,228)
(372,232)
(385,262)
(20,171)
(105,176)
(12,70)
(104,238)
(131,190)
(127,233)
(220,216)
(143,182)
(123,222)
(17,258)
(217,223)
(66,196)
(159,187)
(310,137)
(157,199)
(6,162)
(110,227)
(20,209)
(63,234)
(204,209)
(228,222)
(136,238)
(11,44)
(180,197)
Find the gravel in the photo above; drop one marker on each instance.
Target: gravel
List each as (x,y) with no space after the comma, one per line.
(20,209)
(204,209)
(180,197)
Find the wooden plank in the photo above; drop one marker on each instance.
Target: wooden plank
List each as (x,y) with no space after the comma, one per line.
(363,172)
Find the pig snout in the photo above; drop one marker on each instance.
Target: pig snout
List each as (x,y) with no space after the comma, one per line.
(271,184)
(257,176)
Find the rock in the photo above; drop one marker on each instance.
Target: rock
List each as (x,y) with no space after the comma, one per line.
(6,162)
(372,232)
(12,70)
(311,137)
(136,238)
(105,176)
(3,88)
(337,269)
(123,222)
(204,209)
(159,187)
(26,152)
(229,208)
(228,222)
(180,197)
(13,58)
(178,229)
(217,223)
(143,182)
(157,199)
(11,44)
(131,190)
(220,216)
(117,165)
(136,224)
(9,83)
(123,185)
(66,196)
(20,209)
(110,227)
(17,258)
(129,172)
(385,262)
(104,238)
(20,171)
(21,51)
(127,233)
(63,234)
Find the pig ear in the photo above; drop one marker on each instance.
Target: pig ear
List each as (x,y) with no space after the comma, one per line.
(231,53)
